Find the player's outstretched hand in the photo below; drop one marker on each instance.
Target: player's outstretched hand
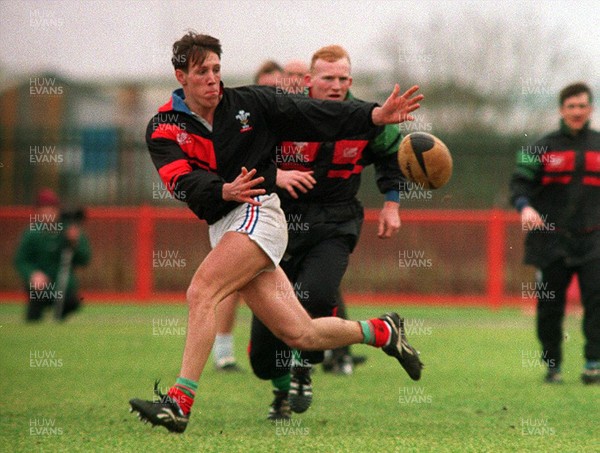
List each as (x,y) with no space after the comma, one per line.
(241,189)
(397,108)
(291,180)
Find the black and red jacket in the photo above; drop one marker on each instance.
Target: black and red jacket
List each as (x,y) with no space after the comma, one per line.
(559,176)
(194,161)
(338,165)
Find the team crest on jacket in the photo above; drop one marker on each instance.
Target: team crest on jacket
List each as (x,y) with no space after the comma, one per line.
(243,117)
(183,138)
(350,152)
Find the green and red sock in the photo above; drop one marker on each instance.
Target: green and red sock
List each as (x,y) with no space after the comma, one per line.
(376,332)
(184,392)
(282,383)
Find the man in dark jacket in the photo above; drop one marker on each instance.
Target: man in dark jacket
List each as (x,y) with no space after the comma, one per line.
(556,188)
(318,184)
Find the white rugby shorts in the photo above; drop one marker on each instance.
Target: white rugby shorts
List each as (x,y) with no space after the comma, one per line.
(265,225)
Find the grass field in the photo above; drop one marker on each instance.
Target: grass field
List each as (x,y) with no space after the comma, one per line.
(66,388)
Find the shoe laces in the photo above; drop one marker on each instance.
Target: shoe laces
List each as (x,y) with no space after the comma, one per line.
(163,398)
(157,392)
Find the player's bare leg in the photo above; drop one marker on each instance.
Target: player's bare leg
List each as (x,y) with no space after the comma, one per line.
(236,264)
(271,298)
(226,313)
(231,265)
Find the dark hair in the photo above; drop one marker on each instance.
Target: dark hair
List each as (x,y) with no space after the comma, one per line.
(192,49)
(573,90)
(268,67)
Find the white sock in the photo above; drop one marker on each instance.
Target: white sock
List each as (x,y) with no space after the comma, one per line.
(223,347)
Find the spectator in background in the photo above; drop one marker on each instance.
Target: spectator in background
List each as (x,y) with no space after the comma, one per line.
(269,74)
(556,188)
(294,72)
(47,254)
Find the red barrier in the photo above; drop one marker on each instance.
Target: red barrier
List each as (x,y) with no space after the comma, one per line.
(145,219)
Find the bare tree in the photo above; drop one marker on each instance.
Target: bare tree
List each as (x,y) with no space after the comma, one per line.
(484,72)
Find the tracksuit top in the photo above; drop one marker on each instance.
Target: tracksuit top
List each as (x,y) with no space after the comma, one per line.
(559,176)
(337,166)
(194,160)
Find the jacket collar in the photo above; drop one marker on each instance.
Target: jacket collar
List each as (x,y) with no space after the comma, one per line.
(177,102)
(566,131)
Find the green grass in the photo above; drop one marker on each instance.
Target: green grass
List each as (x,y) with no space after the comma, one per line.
(480,391)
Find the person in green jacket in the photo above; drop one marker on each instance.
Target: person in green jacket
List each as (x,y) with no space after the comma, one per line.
(49,250)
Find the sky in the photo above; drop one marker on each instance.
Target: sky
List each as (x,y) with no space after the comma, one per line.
(125,39)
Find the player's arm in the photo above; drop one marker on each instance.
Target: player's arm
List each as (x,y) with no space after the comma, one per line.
(384,150)
(303,119)
(523,183)
(200,189)
(299,118)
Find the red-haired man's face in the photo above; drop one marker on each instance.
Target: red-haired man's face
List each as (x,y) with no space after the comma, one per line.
(329,80)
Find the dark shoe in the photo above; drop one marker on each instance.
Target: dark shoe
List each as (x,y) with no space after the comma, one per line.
(399,347)
(553,376)
(359,359)
(163,412)
(300,389)
(280,407)
(591,376)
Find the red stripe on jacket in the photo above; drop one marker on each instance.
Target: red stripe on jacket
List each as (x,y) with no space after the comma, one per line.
(591,180)
(197,148)
(297,155)
(592,161)
(347,152)
(167,107)
(172,171)
(559,161)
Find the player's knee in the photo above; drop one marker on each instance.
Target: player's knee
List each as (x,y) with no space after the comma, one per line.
(199,294)
(298,339)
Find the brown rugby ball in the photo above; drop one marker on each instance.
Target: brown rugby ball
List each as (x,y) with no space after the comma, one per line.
(425,160)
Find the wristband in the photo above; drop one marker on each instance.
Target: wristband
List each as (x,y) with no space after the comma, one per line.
(521,203)
(392,195)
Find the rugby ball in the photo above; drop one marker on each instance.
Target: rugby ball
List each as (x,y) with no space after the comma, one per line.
(425,160)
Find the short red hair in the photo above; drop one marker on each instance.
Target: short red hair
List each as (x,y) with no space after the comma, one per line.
(329,53)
